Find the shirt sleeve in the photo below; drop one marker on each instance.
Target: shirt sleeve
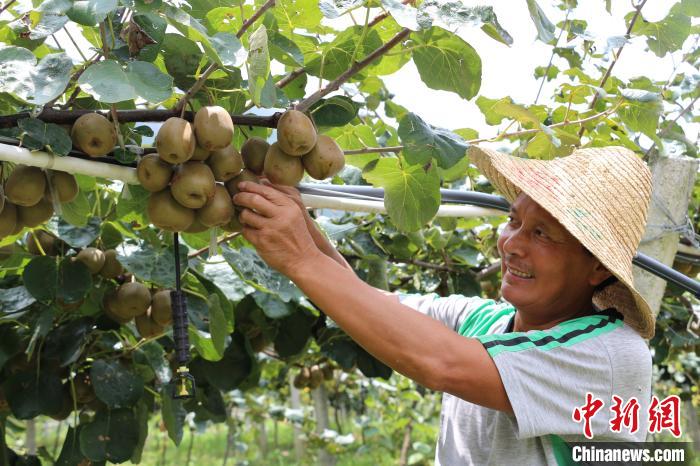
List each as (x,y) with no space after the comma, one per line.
(451,310)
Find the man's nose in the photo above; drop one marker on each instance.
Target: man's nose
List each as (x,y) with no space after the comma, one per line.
(515,242)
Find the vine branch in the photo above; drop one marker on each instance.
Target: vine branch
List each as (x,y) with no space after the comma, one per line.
(354,69)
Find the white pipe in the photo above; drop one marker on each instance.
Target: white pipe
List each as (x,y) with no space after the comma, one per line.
(110,171)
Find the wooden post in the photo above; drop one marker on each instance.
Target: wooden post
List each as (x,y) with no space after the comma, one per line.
(320,397)
(30,437)
(672,185)
(295,399)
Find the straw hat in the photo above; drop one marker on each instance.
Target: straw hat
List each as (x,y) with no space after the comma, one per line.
(601,196)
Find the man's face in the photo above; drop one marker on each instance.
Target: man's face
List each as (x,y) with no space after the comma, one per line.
(546,271)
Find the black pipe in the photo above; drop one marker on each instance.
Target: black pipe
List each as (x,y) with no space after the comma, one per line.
(496,202)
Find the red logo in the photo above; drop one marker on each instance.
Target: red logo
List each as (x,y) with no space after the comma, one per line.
(665,415)
(625,416)
(586,412)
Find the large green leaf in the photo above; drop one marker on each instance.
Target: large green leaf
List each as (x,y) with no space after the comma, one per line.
(13,300)
(91,12)
(79,236)
(217,324)
(452,15)
(338,110)
(37,135)
(272,306)
(284,50)
(446,62)
(114,384)
(545,28)
(423,142)
(47,24)
(232,369)
(154,264)
(411,193)
(173,415)
(40,277)
(74,281)
(22,77)
(332,9)
(293,333)
(641,116)
(110,436)
(667,35)
(405,15)
(181,57)
(336,56)
(293,14)
(258,63)
(51,77)
(355,137)
(107,82)
(29,394)
(148,81)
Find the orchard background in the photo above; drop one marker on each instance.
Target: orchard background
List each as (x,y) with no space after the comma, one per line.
(80,388)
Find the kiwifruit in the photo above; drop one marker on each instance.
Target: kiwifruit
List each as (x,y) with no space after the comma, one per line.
(66,404)
(296,134)
(253,152)
(133,299)
(112,268)
(111,309)
(225,163)
(245,175)
(25,186)
(64,185)
(93,259)
(259,342)
(316,377)
(281,168)
(200,153)
(18,225)
(8,219)
(196,227)
(213,127)
(153,173)
(94,134)
(327,372)
(325,159)
(301,380)
(193,184)
(175,140)
(218,210)
(234,225)
(161,308)
(47,241)
(35,215)
(148,327)
(168,214)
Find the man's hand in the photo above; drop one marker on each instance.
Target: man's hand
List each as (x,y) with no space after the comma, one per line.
(275,225)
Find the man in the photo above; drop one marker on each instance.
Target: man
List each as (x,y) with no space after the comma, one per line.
(513,373)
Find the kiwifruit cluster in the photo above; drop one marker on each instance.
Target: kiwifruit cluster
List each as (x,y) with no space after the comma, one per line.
(152,312)
(94,134)
(312,377)
(104,263)
(197,169)
(26,200)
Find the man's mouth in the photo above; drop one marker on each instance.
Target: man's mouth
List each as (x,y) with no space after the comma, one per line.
(518,273)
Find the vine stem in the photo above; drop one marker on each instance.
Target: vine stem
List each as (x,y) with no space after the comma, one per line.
(356,67)
(370,150)
(665,131)
(213,67)
(7,5)
(551,57)
(113,107)
(608,72)
(74,43)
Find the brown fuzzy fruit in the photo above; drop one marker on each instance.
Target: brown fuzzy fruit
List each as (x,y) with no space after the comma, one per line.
(25,186)
(153,173)
(168,214)
(148,327)
(325,159)
(296,134)
(253,152)
(234,225)
(112,310)
(225,163)
(281,168)
(8,219)
(47,241)
(218,210)
(213,127)
(245,175)
(175,140)
(197,226)
(133,299)
(200,154)
(161,308)
(193,185)
(93,259)
(94,134)
(112,268)
(316,377)
(35,215)
(64,185)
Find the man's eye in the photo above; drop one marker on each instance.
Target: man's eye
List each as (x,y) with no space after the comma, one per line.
(540,233)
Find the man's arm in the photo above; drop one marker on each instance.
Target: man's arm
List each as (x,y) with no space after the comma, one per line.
(404,339)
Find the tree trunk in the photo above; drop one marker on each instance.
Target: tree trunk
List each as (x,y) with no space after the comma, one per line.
(406,444)
(30,437)
(262,438)
(295,399)
(320,397)
(229,439)
(672,185)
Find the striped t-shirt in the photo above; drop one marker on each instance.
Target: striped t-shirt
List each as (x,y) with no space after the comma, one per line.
(546,374)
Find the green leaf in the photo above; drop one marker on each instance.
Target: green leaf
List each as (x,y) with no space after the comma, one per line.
(446,62)
(48,24)
(16,69)
(423,142)
(70,452)
(79,237)
(217,324)
(545,28)
(406,15)
(110,436)
(154,264)
(203,344)
(293,14)
(173,414)
(453,15)
(332,9)
(47,136)
(667,35)
(258,63)
(149,82)
(91,12)
(272,306)
(66,341)
(232,369)
(336,57)
(544,146)
(641,116)
(107,82)
(77,211)
(181,58)
(338,110)
(29,394)
(115,385)
(40,277)
(13,300)
(411,193)
(371,366)
(640,95)
(74,281)
(293,333)
(50,77)
(355,137)
(284,50)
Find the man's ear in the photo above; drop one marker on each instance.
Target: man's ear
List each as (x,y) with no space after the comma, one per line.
(598,274)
